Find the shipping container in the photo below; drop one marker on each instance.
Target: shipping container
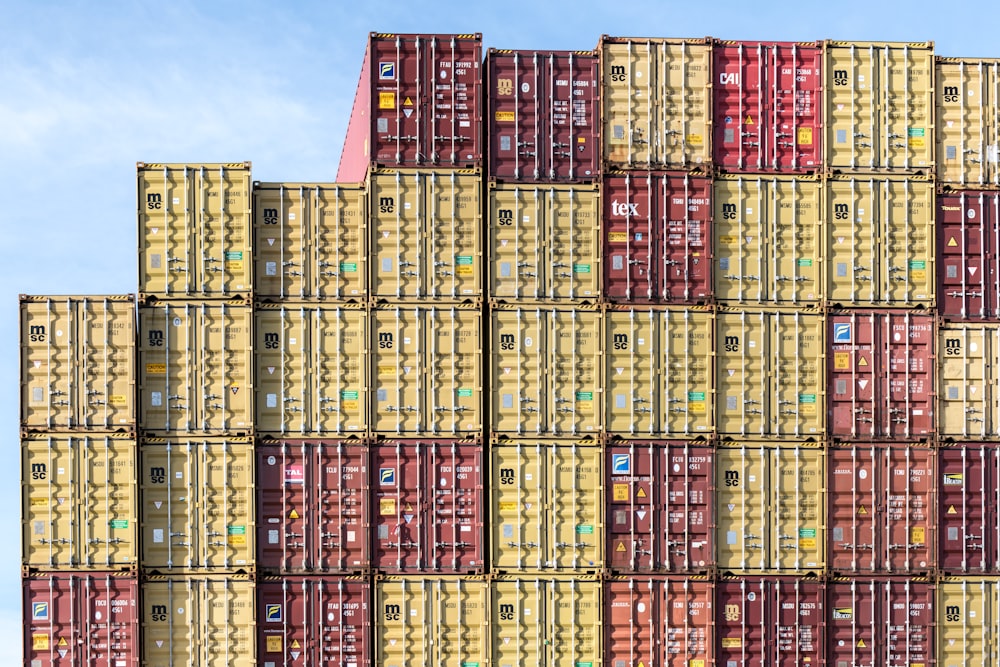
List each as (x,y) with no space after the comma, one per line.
(881,512)
(768,240)
(968,122)
(310,240)
(768,113)
(659,371)
(322,620)
(879,106)
(968,514)
(657,237)
(195,368)
(418,104)
(194,230)
(545,241)
(660,499)
(75,618)
(209,621)
(426,234)
(311,364)
(656,103)
(543,115)
(198,511)
(545,368)
(78,502)
(881,374)
(550,621)
(431,621)
(771,508)
(77,362)
(546,504)
(968,394)
(770,370)
(313,514)
(666,622)
(968,622)
(968,237)
(427,369)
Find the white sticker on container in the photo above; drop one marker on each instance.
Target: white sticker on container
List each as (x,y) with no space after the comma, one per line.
(406,340)
(270,268)
(351,536)
(465,529)
(406,205)
(413,612)
(271,460)
(177,321)
(272,400)
(272,537)
(527,476)
(155,260)
(156,399)
(291,216)
(158,535)
(528,341)
(752,478)
(37,395)
(464,123)
(177,201)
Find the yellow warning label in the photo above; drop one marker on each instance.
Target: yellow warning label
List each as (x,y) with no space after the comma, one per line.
(387,100)
(748,121)
(952,242)
(293,514)
(62,641)
(805,136)
(274,644)
(350,405)
(728,239)
(387,506)
(40,502)
(807,408)
(407,102)
(508,507)
(841,361)
(464,270)
(237,540)
(732,642)
(862,510)
(620,492)
(585,406)
(696,663)
(917,535)
(156,369)
(40,642)
(952,510)
(409,507)
(916,142)
(504,116)
(295,643)
(697,407)
(862,362)
(621,547)
(641,493)
(918,275)
(117,399)
(581,140)
(694,139)
(387,370)
(807,543)
(861,643)
(234,265)
(617,237)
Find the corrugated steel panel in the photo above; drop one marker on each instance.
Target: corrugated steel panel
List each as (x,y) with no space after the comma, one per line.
(968,621)
(78,502)
(78,362)
(198,512)
(194,230)
(968,395)
(879,106)
(969,255)
(656,102)
(311,240)
(311,363)
(968,515)
(547,506)
(543,115)
(771,508)
(968,121)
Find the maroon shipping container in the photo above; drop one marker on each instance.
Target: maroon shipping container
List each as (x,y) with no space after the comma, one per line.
(769,622)
(312,506)
(81,620)
(429,505)
(886,622)
(881,368)
(657,237)
(768,111)
(968,233)
(659,622)
(660,497)
(417,105)
(969,508)
(881,509)
(322,620)
(542,115)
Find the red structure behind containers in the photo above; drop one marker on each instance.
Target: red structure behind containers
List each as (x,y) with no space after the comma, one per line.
(968,237)
(968,511)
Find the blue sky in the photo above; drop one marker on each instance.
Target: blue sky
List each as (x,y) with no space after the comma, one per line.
(89,88)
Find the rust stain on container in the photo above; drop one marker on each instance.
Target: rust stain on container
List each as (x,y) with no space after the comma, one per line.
(968,280)
(968,122)
(968,517)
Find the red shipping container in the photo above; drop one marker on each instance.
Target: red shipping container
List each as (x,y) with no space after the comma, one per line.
(968,233)
(312,506)
(968,510)
(658,621)
(542,115)
(417,105)
(660,497)
(322,620)
(429,505)
(881,368)
(768,111)
(881,509)
(886,622)
(73,619)
(769,622)
(657,237)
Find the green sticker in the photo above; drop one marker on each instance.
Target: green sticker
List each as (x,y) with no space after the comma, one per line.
(232,255)
(584,664)
(916,131)
(348,267)
(807,532)
(470,664)
(584,395)
(348,394)
(119,523)
(464,260)
(918,264)
(585,529)
(464,392)
(581,268)
(237,530)
(696,396)
(805,262)
(807,398)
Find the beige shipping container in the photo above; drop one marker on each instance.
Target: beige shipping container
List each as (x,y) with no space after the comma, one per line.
(431,621)
(310,240)
(426,233)
(545,368)
(195,367)
(194,230)
(768,239)
(969,380)
(880,241)
(546,506)
(879,106)
(207,621)
(656,102)
(78,502)
(197,510)
(427,366)
(659,371)
(771,372)
(311,364)
(78,362)
(771,511)
(968,621)
(545,241)
(968,122)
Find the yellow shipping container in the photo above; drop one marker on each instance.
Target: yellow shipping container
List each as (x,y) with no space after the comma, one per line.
(968,122)
(194,230)
(968,621)
(311,363)
(968,380)
(310,240)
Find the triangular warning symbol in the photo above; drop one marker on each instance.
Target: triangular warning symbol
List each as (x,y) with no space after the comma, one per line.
(295,644)
(270,242)
(527,506)
(506,371)
(731,372)
(641,514)
(840,239)
(952,242)
(641,493)
(63,652)
(748,121)
(972,270)
(972,390)
(156,230)
(38,364)
(407,518)
(749,239)
(503,243)
(293,514)
(952,510)
(295,655)
(407,112)
(619,371)
(407,102)
(270,370)
(861,643)
(506,640)
(862,510)
(62,641)
(235,389)
(392,642)
(409,507)
(385,235)
(159,643)
(862,362)
(862,384)
(620,547)
(641,664)
(406,370)
(157,504)
(731,507)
